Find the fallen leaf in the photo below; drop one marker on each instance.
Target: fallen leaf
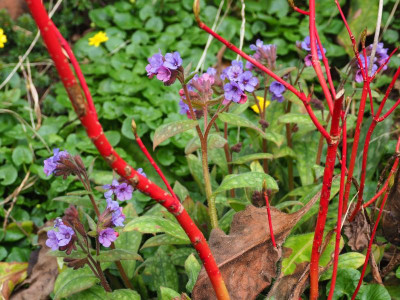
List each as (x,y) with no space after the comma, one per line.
(43,274)
(248,250)
(357,232)
(11,273)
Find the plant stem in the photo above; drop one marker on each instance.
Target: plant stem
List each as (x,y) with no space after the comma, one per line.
(271,231)
(340,210)
(96,133)
(212,210)
(325,195)
(290,145)
(121,270)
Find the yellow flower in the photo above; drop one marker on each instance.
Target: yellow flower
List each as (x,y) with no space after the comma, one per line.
(97,39)
(3,38)
(261,102)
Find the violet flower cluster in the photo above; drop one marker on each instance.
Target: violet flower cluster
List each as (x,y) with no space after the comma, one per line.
(265,54)
(239,82)
(200,90)
(50,164)
(277,89)
(306,45)
(60,236)
(165,68)
(381,55)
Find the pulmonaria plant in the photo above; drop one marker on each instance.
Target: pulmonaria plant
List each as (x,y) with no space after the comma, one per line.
(166,69)
(265,54)
(277,89)
(69,231)
(238,82)
(381,56)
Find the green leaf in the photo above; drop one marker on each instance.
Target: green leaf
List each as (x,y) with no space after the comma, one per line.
(22,154)
(75,200)
(299,247)
(373,292)
(129,241)
(73,254)
(164,272)
(247,180)
(124,20)
(154,24)
(124,294)
(349,260)
(8,174)
(214,141)
(166,131)
(91,222)
(118,254)
(96,292)
(398,272)
(154,224)
(346,283)
(196,170)
(164,239)
(247,158)
(72,281)
(168,294)
(236,120)
(295,119)
(283,152)
(14,233)
(192,268)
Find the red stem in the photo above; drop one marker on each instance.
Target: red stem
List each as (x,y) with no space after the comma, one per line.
(340,210)
(271,231)
(375,227)
(370,247)
(152,162)
(325,195)
(77,69)
(291,88)
(314,57)
(384,187)
(356,140)
(326,65)
(95,132)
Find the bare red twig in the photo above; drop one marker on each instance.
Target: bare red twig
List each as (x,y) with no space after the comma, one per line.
(271,231)
(340,210)
(291,88)
(95,132)
(325,195)
(295,8)
(314,56)
(151,160)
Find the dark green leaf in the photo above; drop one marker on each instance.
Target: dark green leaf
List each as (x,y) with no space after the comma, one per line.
(245,180)
(192,268)
(166,131)
(118,254)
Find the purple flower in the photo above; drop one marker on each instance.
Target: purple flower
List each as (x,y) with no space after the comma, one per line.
(155,62)
(124,192)
(112,205)
(265,54)
(50,164)
(358,76)
(211,71)
(277,88)
(234,71)
(58,222)
(259,44)
(233,92)
(64,235)
(306,45)
(107,236)
(164,74)
(118,217)
(173,60)
(249,66)
(52,240)
(141,172)
(247,81)
(381,54)
(111,188)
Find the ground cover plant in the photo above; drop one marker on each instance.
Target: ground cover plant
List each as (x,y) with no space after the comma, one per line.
(293,133)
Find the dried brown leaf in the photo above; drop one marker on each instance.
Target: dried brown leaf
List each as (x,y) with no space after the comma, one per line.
(357,232)
(246,257)
(43,275)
